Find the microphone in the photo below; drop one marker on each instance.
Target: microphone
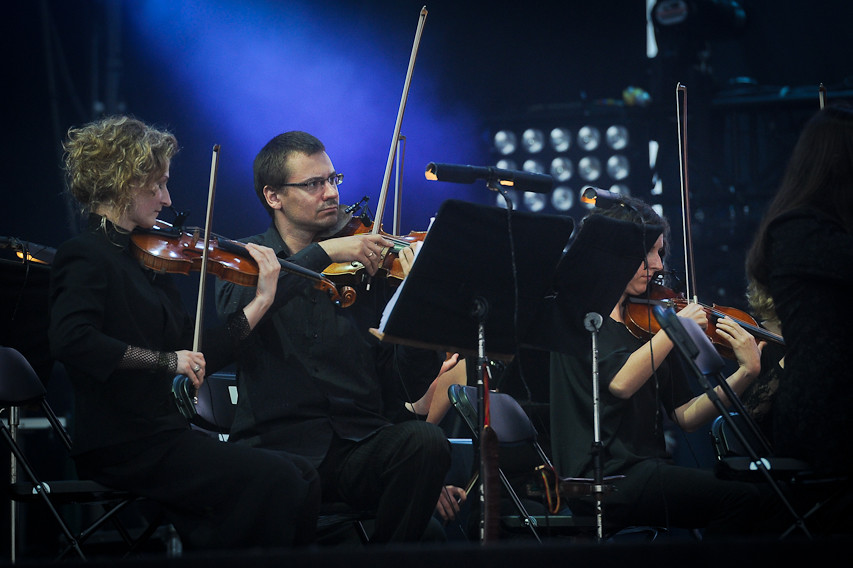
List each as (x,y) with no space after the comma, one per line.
(604,199)
(522,181)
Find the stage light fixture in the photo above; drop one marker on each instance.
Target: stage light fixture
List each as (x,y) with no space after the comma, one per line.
(561,169)
(534,166)
(505,142)
(533,140)
(657,185)
(561,139)
(589,137)
(506,164)
(534,201)
(589,168)
(618,167)
(617,137)
(562,198)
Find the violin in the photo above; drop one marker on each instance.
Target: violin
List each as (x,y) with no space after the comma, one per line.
(166,249)
(390,266)
(642,323)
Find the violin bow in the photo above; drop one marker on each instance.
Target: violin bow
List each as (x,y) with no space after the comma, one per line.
(199,311)
(185,395)
(681,119)
(383,194)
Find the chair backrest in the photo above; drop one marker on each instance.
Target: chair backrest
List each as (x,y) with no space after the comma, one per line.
(725,444)
(19,383)
(216,403)
(507,418)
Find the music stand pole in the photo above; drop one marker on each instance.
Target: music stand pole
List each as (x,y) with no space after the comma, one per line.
(592,322)
(442,303)
(479,311)
(14,423)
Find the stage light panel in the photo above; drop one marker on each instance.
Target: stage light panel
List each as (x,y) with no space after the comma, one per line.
(603,147)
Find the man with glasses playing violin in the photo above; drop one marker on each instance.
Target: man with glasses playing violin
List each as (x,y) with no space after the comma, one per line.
(311,380)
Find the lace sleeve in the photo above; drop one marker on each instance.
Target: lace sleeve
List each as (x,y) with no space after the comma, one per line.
(758,398)
(238,327)
(139,358)
(136,358)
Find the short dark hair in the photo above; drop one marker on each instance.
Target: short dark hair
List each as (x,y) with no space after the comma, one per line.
(271,164)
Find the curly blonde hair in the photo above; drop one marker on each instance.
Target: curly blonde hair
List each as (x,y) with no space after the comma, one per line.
(108,160)
(760,303)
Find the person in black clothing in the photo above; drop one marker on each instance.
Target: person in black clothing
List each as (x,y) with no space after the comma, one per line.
(802,258)
(639,379)
(123,335)
(312,380)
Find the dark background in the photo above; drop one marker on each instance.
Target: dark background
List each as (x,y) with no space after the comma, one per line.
(238,73)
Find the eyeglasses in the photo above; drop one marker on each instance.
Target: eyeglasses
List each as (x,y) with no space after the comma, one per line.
(315,185)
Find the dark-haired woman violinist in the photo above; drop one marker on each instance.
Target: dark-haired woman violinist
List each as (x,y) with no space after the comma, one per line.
(641,379)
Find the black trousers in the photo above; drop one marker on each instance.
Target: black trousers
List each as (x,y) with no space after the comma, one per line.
(220,495)
(658,493)
(398,472)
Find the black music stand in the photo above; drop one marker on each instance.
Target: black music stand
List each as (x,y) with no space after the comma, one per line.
(467,259)
(590,279)
(479,279)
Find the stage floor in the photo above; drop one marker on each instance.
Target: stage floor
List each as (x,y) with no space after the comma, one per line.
(662,552)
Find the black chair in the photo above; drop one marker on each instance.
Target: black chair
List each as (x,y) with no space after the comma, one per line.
(211,409)
(733,459)
(20,387)
(519,453)
(742,448)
